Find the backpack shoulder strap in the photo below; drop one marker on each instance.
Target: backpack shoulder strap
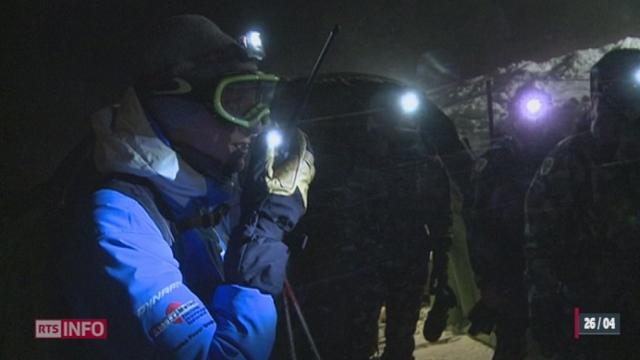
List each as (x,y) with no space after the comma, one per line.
(140,190)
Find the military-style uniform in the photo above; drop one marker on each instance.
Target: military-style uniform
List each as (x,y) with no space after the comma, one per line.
(388,205)
(405,210)
(583,248)
(500,180)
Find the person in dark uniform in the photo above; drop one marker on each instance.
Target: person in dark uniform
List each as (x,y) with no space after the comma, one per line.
(385,175)
(583,221)
(407,212)
(501,177)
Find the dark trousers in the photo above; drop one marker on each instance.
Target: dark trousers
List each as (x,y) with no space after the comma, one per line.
(399,285)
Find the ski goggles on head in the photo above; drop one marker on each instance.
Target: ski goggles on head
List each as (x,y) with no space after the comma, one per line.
(244,99)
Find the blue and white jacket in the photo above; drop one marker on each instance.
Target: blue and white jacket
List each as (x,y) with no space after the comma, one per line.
(161,297)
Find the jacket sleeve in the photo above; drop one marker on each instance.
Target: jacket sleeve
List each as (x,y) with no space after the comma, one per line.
(438,197)
(484,224)
(548,227)
(237,323)
(552,222)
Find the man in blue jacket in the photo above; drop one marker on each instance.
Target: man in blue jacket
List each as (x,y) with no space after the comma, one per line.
(155,250)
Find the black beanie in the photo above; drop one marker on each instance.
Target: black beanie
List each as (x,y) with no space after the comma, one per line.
(192,47)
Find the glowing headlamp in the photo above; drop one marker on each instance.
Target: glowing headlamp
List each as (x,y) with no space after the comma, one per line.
(534,104)
(409,102)
(252,42)
(636,77)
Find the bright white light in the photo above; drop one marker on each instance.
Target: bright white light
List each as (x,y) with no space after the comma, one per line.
(409,102)
(636,76)
(274,138)
(254,40)
(534,106)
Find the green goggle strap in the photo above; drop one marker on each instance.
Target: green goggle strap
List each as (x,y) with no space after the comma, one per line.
(257,113)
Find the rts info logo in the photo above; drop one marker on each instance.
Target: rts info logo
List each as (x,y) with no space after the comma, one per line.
(71,329)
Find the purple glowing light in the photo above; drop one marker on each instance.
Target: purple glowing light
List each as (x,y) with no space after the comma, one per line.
(534,104)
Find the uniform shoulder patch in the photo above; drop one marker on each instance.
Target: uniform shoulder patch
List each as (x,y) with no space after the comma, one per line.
(546,166)
(480,164)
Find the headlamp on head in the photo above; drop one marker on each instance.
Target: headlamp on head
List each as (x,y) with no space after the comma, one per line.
(615,81)
(533,104)
(409,102)
(252,42)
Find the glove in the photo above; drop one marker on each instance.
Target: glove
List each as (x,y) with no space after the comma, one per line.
(437,317)
(274,199)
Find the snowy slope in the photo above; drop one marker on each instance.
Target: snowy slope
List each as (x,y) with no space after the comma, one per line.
(565,77)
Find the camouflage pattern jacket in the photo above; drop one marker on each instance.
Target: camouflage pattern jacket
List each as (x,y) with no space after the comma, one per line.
(495,223)
(583,233)
(396,206)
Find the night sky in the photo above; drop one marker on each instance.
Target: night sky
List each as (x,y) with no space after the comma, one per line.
(66,59)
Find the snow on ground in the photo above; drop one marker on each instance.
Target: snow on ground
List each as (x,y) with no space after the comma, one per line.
(450,346)
(565,77)
(453,344)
